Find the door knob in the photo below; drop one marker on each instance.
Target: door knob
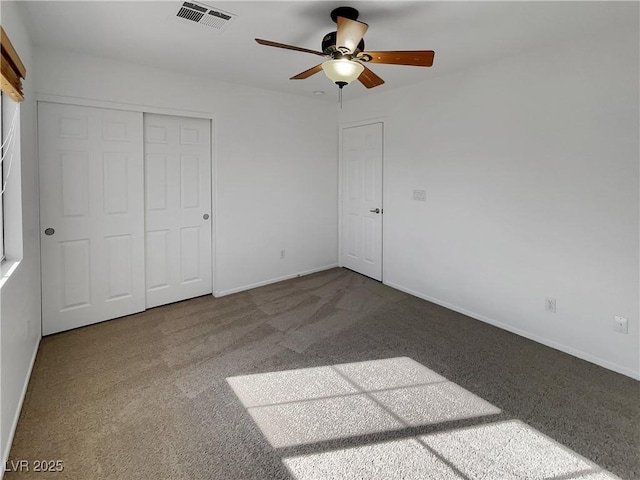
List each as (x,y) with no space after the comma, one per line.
(377,210)
(49,231)
(206,216)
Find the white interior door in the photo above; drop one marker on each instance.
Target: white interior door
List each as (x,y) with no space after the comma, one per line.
(362,199)
(178,208)
(91,214)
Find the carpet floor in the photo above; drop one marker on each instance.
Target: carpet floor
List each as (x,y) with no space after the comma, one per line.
(331,375)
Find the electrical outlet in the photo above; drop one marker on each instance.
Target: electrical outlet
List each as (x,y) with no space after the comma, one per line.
(550,304)
(281,253)
(620,324)
(420,195)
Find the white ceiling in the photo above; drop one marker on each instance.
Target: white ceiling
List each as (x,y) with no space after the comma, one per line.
(463,35)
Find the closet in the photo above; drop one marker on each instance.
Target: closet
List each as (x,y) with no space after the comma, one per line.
(125,212)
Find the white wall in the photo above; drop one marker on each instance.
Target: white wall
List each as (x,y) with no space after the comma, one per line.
(530,167)
(275,155)
(20,293)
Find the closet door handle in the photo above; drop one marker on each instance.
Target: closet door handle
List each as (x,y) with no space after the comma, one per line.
(49,231)
(377,210)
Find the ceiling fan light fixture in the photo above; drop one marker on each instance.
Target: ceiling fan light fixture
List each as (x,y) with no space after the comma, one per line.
(342,71)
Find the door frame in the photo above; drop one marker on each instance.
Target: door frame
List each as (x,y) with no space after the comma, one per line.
(88,102)
(341,128)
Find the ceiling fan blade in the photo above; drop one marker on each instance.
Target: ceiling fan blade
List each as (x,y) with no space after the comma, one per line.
(288,47)
(307,73)
(370,79)
(350,32)
(416,58)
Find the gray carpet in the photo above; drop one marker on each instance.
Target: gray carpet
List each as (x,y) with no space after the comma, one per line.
(151,396)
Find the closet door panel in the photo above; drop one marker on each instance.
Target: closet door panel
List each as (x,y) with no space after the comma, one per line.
(178,209)
(91,214)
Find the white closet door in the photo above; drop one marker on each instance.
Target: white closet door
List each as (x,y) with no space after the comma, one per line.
(362,199)
(178,208)
(91,214)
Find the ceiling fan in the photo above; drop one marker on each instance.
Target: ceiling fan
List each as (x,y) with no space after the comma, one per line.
(346,56)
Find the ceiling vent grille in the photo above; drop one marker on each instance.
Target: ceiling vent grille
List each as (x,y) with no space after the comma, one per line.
(205,15)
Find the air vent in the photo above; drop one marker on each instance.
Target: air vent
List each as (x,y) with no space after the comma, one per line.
(205,15)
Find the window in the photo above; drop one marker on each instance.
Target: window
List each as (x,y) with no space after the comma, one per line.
(12,72)
(2,152)
(10,190)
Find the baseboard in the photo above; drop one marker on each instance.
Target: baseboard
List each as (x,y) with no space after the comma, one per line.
(523,333)
(5,454)
(273,280)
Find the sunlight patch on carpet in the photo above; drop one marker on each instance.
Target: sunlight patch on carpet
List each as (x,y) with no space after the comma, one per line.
(510,449)
(506,450)
(405,459)
(304,406)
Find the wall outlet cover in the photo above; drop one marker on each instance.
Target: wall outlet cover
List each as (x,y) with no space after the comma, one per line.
(620,324)
(550,304)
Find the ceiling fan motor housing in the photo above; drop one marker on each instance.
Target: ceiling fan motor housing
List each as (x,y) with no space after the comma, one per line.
(345,12)
(329,45)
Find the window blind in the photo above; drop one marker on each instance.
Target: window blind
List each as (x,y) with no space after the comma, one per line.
(12,70)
